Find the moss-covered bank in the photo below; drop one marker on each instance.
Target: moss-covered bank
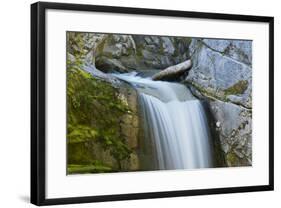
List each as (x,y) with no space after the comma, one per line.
(94,112)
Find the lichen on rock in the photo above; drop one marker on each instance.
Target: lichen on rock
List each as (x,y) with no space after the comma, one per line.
(222,75)
(96,109)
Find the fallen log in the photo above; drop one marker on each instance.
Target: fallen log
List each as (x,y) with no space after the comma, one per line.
(173,72)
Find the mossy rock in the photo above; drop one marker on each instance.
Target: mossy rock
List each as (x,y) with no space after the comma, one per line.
(232,159)
(238,88)
(78,169)
(94,109)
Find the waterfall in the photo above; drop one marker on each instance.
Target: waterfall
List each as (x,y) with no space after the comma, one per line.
(174,121)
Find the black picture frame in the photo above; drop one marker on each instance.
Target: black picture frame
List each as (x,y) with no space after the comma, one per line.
(38,102)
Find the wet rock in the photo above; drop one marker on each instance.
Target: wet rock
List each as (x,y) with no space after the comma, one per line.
(123,53)
(222,76)
(114,116)
(234,127)
(129,124)
(236,49)
(219,75)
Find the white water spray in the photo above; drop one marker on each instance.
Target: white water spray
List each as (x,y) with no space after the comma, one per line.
(175,122)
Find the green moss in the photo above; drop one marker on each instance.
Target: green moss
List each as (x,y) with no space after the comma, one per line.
(130,51)
(79,153)
(232,159)
(95,168)
(237,88)
(94,110)
(202,90)
(161,49)
(139,50)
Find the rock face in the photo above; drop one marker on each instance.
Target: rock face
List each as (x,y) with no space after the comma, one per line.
(116,145)
(124,53)
(102,123)
(238,50)
(222,75)
(129,126)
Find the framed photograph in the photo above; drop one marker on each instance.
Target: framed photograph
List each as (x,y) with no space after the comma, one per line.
(134,103)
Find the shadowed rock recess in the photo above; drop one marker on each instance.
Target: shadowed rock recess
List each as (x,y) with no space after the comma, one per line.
(104,122)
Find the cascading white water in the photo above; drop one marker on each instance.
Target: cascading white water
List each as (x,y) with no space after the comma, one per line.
(175,122)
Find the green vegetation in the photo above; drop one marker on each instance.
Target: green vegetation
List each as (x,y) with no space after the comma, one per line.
(238,88)
(202,90)
(94,109)
(96,168)
(232,159)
